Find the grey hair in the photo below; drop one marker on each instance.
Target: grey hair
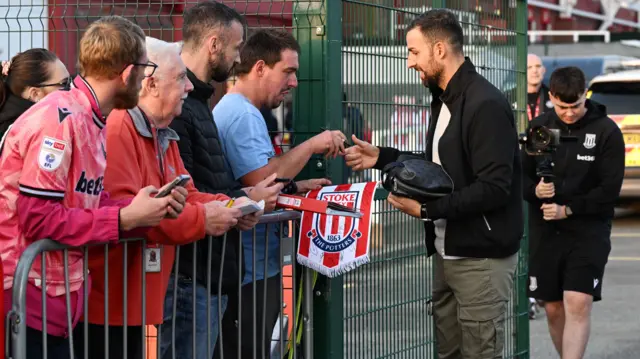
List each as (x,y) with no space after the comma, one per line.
(160,52)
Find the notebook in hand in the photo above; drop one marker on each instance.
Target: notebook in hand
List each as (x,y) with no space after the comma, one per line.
(250,207)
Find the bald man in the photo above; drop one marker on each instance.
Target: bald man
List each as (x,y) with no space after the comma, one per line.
(538,101)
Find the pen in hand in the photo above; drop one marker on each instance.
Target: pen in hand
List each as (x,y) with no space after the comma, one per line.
(346,141)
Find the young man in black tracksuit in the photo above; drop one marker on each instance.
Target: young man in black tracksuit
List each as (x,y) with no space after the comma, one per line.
(570,217)
(475,231)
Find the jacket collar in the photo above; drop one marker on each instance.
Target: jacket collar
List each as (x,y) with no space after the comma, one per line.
(202,91)
(459,82)
(81,84)
(143,126)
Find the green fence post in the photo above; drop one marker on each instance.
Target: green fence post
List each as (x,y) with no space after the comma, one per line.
(522,305)
(309,115)
(318,104)
(328,305)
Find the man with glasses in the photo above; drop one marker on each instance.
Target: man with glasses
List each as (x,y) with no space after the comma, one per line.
(145,152)
(112,64)
(570,217)
(53,167)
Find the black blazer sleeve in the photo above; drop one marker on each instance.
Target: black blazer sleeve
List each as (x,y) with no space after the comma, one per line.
(610,165)
(387,155)
(492,146)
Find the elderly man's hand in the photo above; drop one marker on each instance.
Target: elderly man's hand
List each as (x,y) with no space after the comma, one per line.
(219,219)
(249,221)
(176,206)
(406,205)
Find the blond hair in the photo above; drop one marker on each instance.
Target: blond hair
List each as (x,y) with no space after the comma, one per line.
(108,46)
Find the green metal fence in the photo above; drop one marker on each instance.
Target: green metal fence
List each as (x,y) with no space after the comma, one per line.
(352,48)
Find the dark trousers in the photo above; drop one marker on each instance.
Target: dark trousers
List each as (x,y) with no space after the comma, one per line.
(57,347)
(263,332)
(97,345)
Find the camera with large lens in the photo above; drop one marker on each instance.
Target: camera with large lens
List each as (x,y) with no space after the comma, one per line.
(541,140)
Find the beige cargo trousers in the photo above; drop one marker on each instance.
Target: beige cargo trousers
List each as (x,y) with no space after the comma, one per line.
(470,298)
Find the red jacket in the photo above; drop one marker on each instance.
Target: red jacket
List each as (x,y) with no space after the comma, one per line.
(134,155)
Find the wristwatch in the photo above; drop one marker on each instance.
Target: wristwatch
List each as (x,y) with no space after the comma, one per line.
(567,211)
(423,213)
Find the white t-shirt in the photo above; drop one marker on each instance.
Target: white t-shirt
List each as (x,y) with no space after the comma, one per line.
(441,224)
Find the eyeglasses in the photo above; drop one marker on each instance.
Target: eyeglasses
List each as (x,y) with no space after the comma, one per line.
(65,83)
(148,64)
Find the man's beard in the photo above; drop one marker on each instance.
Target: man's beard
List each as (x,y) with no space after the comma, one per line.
(433,81)
(220,71)
(127,97)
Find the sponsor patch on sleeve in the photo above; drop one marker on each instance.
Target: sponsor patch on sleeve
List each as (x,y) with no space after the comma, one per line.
(51,153)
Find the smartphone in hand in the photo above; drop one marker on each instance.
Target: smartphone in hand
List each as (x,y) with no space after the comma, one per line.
(179,181)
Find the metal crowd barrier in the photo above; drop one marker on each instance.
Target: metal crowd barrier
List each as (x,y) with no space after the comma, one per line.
(284,338)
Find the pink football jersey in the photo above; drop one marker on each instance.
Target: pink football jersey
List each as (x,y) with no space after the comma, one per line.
(55,150)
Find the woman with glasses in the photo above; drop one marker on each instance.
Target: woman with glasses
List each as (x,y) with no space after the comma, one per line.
(26,79)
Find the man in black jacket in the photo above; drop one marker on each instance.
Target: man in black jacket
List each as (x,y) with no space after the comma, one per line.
(212,36)
(570,217)
(475,231)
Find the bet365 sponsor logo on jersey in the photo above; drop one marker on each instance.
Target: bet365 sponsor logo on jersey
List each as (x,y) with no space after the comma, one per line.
(89,186)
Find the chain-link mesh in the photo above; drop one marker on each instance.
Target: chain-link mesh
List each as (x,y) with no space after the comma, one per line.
(59,24)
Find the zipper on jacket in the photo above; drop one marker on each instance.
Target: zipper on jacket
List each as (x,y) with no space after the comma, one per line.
(486,222)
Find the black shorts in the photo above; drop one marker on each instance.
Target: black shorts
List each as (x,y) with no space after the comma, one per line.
(563,264)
